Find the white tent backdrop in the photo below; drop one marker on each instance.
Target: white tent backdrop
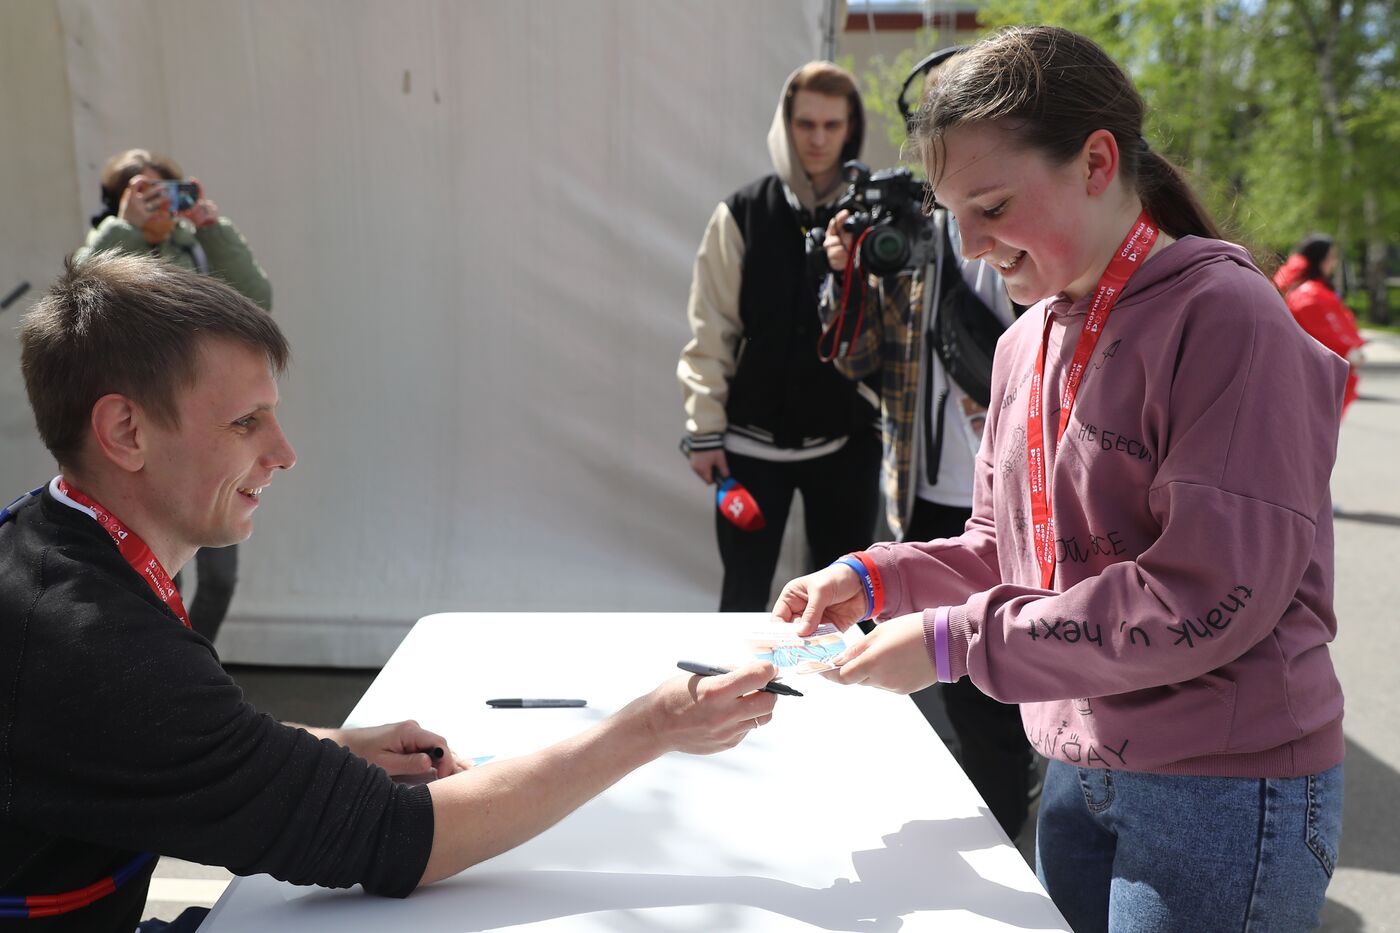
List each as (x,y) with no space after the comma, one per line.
(479,219)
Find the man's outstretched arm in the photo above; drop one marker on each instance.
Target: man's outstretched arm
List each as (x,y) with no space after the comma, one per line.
(483,812)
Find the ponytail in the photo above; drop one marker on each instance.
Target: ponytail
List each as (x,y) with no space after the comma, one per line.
(1169,200)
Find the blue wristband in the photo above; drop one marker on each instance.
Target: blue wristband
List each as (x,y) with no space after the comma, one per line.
(855,564)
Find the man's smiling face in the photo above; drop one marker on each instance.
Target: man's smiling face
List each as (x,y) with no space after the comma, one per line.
(211,469)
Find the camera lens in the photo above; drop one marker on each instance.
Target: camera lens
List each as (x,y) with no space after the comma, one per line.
(886,249)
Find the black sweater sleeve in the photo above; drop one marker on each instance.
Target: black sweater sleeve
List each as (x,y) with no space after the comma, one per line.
(126,732)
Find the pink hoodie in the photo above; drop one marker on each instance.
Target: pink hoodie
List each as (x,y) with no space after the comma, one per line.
(1188,628)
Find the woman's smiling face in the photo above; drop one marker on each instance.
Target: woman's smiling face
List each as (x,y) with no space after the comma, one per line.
(1027,217)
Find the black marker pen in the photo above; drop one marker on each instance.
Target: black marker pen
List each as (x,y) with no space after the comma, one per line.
(707,670)
(527,703)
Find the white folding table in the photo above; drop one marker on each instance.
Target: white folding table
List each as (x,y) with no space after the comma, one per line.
(844,813)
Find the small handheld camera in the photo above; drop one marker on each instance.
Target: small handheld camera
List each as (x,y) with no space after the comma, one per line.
(890,206)
(182,195)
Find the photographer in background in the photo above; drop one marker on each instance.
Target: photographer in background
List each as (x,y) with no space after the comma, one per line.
(904,304)
(760,406)
(149,207)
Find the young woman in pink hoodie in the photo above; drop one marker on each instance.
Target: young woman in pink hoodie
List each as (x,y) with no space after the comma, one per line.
(1148,567)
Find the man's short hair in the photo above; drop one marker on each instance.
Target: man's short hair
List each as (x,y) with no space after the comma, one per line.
(825,78)
(131,325)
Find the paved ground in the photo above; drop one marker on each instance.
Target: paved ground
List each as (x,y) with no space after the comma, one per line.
(1365,893)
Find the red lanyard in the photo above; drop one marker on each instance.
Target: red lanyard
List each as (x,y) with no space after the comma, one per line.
(136,552)
(1125,262)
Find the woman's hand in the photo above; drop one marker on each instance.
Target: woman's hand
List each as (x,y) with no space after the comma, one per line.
(143,201)
(892,657)
(205,212)
(834,595)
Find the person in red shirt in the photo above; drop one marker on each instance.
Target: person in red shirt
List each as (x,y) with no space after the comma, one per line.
(1306,282)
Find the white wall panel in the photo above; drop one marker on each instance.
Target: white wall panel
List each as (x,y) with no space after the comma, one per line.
(479,220)
(39,204)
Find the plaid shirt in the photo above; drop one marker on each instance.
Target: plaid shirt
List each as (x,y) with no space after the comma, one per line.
(892,342)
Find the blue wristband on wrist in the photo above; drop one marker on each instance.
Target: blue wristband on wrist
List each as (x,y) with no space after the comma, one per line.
(866,585)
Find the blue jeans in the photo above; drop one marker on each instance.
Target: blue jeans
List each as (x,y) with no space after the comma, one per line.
(1131,853)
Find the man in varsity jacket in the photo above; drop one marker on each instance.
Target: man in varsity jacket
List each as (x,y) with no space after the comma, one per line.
(760,403)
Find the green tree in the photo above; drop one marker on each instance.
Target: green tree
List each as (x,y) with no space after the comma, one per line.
(880,83)
(1285,114)
(1332,81)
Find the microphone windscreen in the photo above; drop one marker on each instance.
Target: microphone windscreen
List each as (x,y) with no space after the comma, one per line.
(737,505)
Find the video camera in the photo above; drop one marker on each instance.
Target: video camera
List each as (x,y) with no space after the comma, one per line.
(887,219)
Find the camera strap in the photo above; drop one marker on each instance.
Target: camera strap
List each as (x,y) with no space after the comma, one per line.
(200,257)
(842,340)
(933,433)
(961,333)
(964,330)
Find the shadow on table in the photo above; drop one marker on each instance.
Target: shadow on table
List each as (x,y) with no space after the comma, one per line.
(921,867)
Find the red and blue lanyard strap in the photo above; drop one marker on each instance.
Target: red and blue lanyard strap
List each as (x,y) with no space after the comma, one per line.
(8,513)
(49,905)
(133,550)
(139,555)
(1125,262)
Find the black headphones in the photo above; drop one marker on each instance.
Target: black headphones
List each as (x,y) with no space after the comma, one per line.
(922,68)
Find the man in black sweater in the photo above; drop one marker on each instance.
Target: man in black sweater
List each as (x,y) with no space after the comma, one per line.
(121,737)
